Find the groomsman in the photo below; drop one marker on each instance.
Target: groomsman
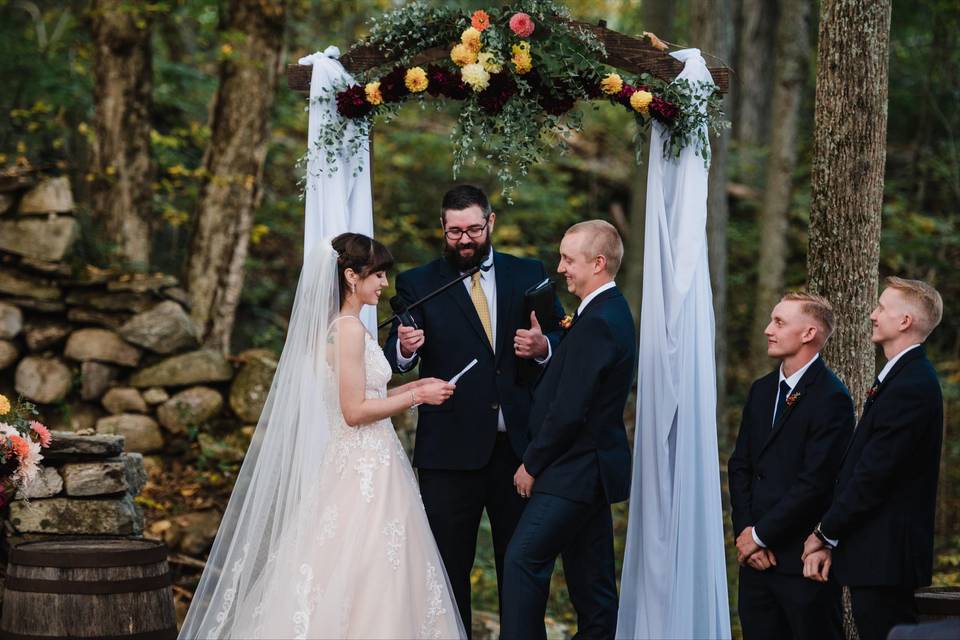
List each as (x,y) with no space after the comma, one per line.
(794,427)
(578,459)
(468,448)
(878,531)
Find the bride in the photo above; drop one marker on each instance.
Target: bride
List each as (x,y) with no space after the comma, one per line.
(325,535)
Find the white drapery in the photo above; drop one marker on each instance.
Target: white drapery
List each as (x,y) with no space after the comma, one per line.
(338,199)
(674,571)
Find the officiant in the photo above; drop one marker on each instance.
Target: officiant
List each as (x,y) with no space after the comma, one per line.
(468,448)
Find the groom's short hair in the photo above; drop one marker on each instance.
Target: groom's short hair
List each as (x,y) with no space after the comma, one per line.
(462,196)
(817,307)
(604,241)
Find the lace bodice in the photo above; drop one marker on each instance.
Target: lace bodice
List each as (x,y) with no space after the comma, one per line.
(377,368)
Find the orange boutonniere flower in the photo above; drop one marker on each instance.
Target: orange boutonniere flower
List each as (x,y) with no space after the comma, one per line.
(566,322)
(792,399)
(480,20)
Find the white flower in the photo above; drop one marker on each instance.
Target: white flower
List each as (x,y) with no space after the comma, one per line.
(475,76)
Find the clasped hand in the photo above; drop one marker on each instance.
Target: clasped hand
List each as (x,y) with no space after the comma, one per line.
(749,553)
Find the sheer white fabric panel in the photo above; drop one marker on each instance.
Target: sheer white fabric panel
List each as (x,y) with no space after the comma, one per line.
(674,572)
(340,200)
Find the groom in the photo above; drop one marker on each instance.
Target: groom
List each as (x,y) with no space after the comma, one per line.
(578,460)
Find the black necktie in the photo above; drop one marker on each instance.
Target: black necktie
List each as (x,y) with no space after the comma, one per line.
(781,401)
(576,314)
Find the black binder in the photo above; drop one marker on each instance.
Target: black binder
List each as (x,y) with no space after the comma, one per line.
(539,298)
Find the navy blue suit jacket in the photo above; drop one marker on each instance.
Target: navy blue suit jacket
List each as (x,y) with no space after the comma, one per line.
(781,476)
(886,495)
(578,448)
(460,434)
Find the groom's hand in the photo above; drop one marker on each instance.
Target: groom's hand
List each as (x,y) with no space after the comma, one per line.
(523,481)
(531,343)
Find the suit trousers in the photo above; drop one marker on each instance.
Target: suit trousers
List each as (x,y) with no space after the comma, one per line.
(583,534)
(454,502)
(778,605)
(877,610)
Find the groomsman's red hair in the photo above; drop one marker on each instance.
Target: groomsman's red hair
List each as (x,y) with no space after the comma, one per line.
(924,299)
(818,308)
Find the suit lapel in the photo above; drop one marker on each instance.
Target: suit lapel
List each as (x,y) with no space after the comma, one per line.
(800,391)
(462,299)
(913,354)
(910,356)
(505,300)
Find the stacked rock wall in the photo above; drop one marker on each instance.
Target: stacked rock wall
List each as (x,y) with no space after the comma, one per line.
(109,357)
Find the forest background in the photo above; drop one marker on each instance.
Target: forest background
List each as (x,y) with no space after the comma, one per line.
(187,68)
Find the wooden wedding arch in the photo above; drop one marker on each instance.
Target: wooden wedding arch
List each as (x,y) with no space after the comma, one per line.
(627,53)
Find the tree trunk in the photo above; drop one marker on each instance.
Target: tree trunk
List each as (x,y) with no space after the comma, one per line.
(849,153)
(656,16)
(121,194)
(713,34)
(239,128)
(758,19)
(791,67)
(847,177)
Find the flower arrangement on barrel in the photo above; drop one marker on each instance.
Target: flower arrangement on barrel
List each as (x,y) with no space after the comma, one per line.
(22,437)
(518,73)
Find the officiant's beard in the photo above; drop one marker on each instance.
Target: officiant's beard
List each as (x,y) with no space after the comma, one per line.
(453,255)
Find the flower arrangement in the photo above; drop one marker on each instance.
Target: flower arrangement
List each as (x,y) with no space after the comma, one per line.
(519,72)
(566,322)
(793,398)
(22,437)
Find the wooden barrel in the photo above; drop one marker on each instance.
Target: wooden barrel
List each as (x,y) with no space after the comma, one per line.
(106,588)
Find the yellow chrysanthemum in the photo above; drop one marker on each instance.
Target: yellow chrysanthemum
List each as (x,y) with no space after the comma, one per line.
(416,79)
(489,62)
(462,55)
(4,405)
(522,62)
(471,38)
(611,84)
(373,93)
(522,47)
(476,76)
(640,101)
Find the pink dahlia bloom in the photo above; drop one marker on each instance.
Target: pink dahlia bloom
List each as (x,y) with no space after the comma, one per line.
(521,24)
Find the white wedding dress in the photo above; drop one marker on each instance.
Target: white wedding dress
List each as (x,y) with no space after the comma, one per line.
(370,567)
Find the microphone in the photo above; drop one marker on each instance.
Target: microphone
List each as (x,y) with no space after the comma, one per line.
(402,311)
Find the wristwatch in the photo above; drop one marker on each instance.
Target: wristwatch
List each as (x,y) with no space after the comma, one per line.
(817,532)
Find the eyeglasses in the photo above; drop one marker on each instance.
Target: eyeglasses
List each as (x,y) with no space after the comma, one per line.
(474,232)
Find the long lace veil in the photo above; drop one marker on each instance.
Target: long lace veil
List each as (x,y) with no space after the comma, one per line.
(263,526)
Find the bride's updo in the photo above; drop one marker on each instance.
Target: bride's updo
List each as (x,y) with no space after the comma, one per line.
(362,254)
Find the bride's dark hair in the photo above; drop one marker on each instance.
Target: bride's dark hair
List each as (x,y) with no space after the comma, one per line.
(362,254)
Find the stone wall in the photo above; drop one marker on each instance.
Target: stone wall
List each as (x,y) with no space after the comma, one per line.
(109,357)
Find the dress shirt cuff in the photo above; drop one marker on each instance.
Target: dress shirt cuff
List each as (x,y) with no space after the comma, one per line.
(547,357)
(756,538)
(403,363)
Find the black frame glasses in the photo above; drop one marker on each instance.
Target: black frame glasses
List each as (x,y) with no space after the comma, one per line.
(474,233)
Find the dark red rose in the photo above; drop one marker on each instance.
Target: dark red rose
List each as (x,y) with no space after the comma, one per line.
(444,82)
(663,111)
(624,96)
(352,102)
(498,92)
(393,87)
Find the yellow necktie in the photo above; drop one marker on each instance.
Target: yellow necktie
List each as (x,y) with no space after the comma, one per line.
(483,309)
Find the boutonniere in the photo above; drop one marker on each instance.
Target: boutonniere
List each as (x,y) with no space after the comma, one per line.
(792,398)
(872,393)
(566,322)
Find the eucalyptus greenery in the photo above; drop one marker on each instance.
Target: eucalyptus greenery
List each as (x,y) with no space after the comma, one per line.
(567,63)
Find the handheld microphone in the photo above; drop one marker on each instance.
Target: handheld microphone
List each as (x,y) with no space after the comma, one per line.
(400,310)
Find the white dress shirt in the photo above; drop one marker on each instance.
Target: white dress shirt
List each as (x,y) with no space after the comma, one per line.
(593,294)
(792,383)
